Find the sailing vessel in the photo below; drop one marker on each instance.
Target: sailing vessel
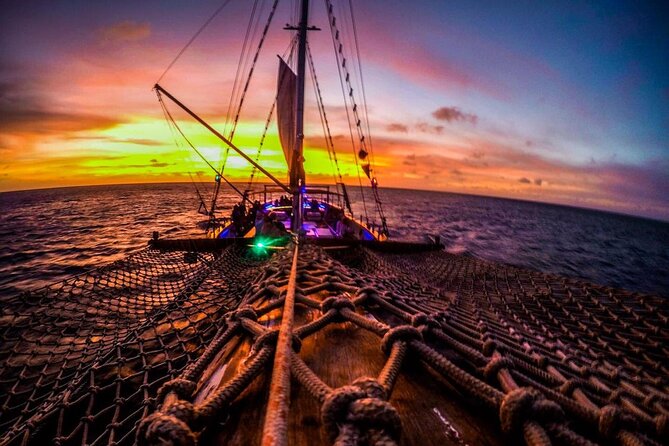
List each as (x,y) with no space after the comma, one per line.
(320,212)
(335,335)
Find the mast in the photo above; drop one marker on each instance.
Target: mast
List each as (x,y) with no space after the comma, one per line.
(297,172)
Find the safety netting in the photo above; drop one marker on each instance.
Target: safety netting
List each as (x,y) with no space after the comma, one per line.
(313,346)
(81,361)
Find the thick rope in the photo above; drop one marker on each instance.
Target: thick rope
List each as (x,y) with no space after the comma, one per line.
(276,415)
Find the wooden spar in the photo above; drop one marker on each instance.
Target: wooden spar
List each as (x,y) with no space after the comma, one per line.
(219,175)
(222,138)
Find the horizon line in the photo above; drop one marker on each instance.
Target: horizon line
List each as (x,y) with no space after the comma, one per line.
(664,220)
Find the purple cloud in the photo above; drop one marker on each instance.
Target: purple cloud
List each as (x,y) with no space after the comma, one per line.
(454,114)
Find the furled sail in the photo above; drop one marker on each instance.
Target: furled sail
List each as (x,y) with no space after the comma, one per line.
(286,109)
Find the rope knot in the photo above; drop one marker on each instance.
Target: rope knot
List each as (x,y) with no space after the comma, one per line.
(650,399)
(495,365)
(336,405)
(662,427)
(615,373)
(612,419)
(614,396)
(374,413)
(171,427)
(245,311)
(338,303)
(371,387)
(419,319)
(365,293)
(526,403)
(489,347)
(184,388)
(567,387)
(404,333)
(356,406)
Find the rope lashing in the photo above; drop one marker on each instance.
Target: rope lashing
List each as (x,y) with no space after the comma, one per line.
(522,408)
(405,333)
(183,388)
(349,412)
(173,426)
(612,420)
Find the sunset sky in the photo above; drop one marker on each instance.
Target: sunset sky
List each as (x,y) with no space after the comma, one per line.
(549,101)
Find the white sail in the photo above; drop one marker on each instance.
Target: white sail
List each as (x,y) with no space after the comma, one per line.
(286,110)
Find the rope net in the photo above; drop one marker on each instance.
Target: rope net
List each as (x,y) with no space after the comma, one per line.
(180,348)
(81,361)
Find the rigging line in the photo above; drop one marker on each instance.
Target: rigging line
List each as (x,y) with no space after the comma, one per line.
(287,55)
(325,136)
(247,56)
(171,118)
(345,70)
(221,137)
(356,116)
(235,84)
(199,195)
(333,31)
(169,125)
(251,70)
(324,119)
(195,36)
(362,82)
(178,144)
(233,92)
(245,64)
(262,142)
(253,65)
(160,99)
(203,185)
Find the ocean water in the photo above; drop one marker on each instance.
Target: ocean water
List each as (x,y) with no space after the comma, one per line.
(47,235)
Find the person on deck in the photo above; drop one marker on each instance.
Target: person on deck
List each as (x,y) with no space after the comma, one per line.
(271,226)
(239,218)
(343,229)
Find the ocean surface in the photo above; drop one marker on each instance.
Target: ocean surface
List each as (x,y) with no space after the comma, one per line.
(47,235)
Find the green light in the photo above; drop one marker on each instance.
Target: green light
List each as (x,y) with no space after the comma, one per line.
(260,246)
(263,246)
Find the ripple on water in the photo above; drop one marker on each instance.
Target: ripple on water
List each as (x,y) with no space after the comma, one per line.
(47,235)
